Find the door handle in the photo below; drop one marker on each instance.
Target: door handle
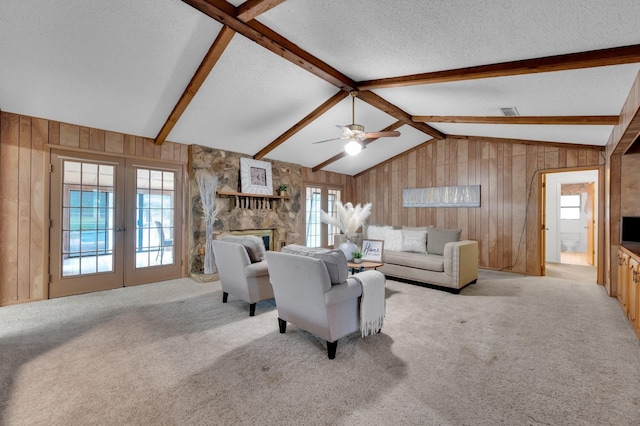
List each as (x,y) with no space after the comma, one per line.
(121,229)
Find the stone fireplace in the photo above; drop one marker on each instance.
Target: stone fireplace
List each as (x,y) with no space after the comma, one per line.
(280,220)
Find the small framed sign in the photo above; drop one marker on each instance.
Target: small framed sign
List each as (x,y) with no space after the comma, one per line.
(372,250)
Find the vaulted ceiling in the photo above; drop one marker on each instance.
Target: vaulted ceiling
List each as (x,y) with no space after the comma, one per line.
(266,78)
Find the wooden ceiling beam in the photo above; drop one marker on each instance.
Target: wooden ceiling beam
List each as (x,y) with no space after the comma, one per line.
(575,120)
(211,58)
(326,106)
(385,106)
(365,142)
(572,61)
(250,9)
(225,13)
(564,145)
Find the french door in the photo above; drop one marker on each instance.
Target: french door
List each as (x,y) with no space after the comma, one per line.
(113,222)
(317,233)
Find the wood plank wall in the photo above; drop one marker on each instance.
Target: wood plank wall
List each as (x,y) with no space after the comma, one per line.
(323,177)
(505,225)
(616,196)
(22,208)
(24,195)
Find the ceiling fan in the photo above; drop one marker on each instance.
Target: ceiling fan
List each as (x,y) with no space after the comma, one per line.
(355,132)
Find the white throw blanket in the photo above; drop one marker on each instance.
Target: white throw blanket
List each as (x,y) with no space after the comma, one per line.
(372,303)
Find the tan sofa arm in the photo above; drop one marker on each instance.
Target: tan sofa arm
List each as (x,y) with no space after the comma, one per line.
(461,261)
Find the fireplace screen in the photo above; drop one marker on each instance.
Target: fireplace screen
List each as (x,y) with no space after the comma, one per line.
(265,234)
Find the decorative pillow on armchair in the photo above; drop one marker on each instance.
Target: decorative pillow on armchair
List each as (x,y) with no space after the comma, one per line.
(438,237)
(334,260)
(253,244)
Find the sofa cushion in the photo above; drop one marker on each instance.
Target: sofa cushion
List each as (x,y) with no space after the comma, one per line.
(333,260)
(414,240)
(253,244)
(429,262)
(438,237)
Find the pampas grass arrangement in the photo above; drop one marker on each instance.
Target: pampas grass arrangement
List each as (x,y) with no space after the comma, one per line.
(208,184)
(348,218)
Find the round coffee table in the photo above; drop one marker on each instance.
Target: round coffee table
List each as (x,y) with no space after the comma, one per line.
(359,267)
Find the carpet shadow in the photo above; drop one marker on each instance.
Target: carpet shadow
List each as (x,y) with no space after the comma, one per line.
(289,375)
(388,293)
(489,288)
(490,284)
(155,322)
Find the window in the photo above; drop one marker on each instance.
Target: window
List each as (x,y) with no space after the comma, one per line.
(570,207)
(89,221)
(87,218)
(318,198)
(154,213)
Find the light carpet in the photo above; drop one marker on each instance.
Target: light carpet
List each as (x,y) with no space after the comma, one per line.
(511,350)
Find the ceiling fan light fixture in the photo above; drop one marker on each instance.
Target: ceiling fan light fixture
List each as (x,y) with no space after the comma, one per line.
(353,147)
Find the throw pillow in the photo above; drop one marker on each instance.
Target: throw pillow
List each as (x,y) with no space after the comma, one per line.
(393,240)
(253,244)
(333,260)
(377,232)
(414,241)
(438,237)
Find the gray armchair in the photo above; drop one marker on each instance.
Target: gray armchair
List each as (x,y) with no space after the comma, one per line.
(239,276)
(306,297)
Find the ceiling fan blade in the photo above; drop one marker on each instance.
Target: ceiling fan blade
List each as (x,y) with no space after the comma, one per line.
(374,135)
(327,140)
(346,131)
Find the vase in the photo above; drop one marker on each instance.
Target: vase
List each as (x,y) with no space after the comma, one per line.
(347,248)
(359,260)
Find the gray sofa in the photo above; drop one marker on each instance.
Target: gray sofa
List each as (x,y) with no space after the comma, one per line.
(426,255)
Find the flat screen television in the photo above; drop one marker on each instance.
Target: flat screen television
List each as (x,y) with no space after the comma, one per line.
(630,230)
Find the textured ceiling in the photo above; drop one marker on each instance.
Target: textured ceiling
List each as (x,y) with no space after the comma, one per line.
(123,65)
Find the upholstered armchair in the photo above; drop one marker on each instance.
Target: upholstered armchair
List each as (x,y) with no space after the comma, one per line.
(306,296)
(239,276)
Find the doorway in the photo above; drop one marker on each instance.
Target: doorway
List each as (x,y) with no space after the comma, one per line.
(113,222)
(571,225)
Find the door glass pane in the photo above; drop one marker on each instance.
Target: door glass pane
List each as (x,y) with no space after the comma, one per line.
(87,218)
(314,226)
(333,196)
(154,217)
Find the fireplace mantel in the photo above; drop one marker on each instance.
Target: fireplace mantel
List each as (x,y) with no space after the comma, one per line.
(244,201)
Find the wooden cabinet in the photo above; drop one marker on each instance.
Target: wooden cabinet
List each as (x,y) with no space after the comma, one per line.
(633,306)
(629,286)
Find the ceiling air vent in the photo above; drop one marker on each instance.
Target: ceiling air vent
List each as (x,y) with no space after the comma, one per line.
(510,111)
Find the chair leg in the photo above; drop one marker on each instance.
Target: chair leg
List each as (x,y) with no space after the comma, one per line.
(225,296)
(252,309)
(331,349)
(283,325)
